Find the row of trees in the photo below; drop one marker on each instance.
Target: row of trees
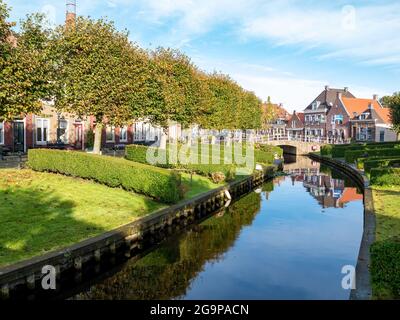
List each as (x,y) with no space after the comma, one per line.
(92,69)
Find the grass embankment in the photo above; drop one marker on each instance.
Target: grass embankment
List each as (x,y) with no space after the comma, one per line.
(42,212)
(381,164)
(385,252)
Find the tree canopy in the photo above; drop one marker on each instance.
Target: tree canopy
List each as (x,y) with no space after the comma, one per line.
(25,78)
(93,69)
(393,102)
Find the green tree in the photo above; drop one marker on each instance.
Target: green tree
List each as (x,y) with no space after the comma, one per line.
(393,102)
(100,73)
(183,92)
(25,77)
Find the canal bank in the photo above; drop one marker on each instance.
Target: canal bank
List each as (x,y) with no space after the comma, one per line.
(363,290)
(24,279)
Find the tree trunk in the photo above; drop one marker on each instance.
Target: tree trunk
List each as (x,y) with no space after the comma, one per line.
(98,131)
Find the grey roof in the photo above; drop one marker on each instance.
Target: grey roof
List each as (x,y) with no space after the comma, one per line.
(328,97)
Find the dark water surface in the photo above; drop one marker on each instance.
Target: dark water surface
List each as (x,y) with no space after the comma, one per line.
(288,240)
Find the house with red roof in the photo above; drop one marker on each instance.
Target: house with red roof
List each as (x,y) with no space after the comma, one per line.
(369,120)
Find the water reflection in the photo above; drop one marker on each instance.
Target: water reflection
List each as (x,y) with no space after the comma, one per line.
(289,240)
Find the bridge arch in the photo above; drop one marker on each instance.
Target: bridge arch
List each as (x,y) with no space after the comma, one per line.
(289,149)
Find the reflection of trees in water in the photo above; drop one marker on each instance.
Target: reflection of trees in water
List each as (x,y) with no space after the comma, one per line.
(167,272)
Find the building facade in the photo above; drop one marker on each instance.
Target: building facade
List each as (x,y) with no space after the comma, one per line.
(315,115)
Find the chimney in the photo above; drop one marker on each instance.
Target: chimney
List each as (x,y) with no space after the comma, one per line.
(375,97)
(70,17)
(339,95)
(370,106)
(346,89)
(327,88)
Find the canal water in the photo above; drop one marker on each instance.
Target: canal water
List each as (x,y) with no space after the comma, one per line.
(289,239)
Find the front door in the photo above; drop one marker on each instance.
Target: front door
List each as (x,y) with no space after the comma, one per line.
(78,136)
(19,136)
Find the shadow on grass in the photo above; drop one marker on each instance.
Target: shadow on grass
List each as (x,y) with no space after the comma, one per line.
(34,222)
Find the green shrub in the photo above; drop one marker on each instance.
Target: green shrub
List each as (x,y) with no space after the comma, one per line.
(340,150)
(326,150)
(352,156)
(380,163)
(385,177)
(139,154)
(154,182)
(385,268)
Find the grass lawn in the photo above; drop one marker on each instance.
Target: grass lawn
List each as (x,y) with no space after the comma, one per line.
(41,212)
(385,270)
(197,185)
(387,208)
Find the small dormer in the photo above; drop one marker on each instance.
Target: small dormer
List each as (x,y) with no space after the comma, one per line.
(315,105)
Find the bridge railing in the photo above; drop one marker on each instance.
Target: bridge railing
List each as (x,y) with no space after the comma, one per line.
(264,139)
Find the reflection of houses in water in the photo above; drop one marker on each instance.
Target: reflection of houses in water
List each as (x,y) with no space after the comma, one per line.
(329,192)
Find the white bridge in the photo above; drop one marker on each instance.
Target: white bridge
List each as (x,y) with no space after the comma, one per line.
(298,145)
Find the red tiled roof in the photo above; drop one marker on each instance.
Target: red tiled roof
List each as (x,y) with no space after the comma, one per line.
(301,117)
(349,195)
(358,106)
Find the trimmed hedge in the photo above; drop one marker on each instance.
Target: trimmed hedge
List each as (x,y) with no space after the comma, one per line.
(352,156)
(339,151)
(385,266)
(157,183)
(327,150)
(380,163)
(138,153)
(385,177)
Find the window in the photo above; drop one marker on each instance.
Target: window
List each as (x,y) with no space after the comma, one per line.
(62,132)
(293,124)
(381,136)
(139,131)
(338,119)
(110,134)
(123,134)
(1,132)
(42,130)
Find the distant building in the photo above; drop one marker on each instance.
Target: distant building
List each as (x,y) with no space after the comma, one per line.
(315,115)
(369,120)
(295,126)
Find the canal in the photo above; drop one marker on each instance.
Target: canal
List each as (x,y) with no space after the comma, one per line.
(289,239)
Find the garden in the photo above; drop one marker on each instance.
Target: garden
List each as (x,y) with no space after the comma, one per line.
(64,197)
(381,164)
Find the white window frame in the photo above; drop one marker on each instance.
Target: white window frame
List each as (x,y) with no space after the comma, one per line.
(113,134)
(2,135)
(126,134)
(66,140)
(138,136)
(42,142)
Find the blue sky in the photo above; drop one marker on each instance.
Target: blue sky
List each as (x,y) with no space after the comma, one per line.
(285,49)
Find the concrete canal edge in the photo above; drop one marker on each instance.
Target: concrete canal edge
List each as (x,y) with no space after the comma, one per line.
(363,289)
(129,240)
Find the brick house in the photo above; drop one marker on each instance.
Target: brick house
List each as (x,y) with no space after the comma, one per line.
(338,121)
(369,120)
(315,115)
(295,126)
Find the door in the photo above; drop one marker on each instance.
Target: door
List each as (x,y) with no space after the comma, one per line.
(78,136)
(19,136)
